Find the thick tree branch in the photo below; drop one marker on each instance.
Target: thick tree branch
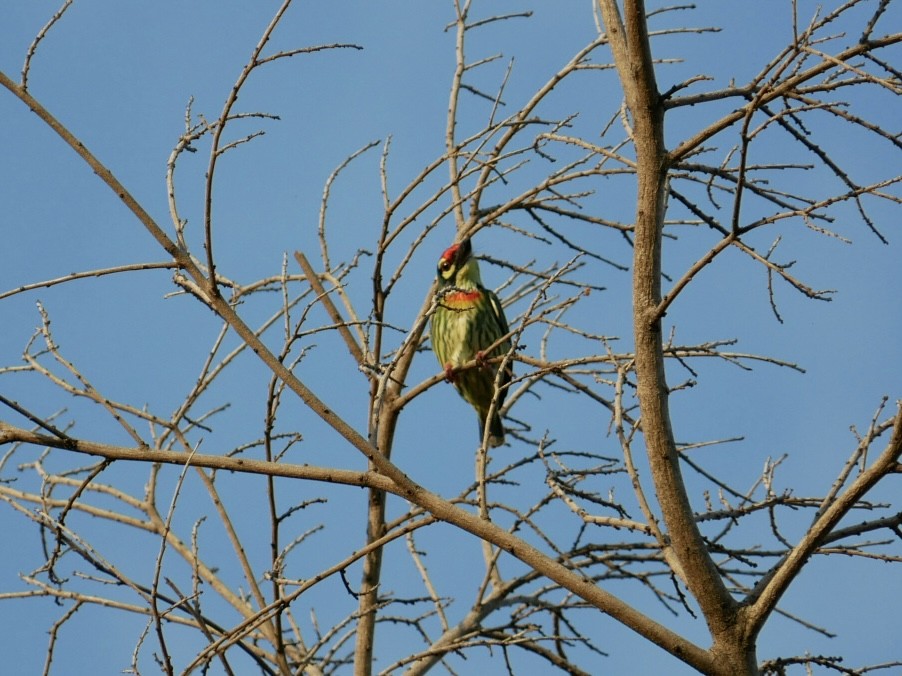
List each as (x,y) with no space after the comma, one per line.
(767,593)
(632,56)
(11,434)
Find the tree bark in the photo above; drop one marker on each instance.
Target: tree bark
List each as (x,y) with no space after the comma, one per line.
(735,653)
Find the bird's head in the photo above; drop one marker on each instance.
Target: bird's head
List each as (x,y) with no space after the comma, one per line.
(457,267)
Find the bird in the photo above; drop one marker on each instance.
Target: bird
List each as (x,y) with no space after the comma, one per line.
(468,320)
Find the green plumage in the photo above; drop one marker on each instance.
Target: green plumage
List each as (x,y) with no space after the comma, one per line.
(468,320)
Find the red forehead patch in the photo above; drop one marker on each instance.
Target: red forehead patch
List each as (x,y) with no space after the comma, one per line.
(450,253)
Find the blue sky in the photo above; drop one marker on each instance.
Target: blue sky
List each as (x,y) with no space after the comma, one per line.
(120,76)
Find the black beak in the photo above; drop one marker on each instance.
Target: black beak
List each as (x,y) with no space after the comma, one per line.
(465,251)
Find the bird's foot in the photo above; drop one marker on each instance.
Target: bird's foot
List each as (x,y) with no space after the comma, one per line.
(481,360)
(450,375)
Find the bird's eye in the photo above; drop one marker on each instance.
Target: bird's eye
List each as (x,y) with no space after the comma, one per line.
(444,265)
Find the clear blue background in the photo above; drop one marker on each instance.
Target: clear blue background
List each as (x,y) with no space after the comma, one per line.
(120,74)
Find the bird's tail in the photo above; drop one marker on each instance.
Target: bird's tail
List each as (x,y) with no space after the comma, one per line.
(496,430)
